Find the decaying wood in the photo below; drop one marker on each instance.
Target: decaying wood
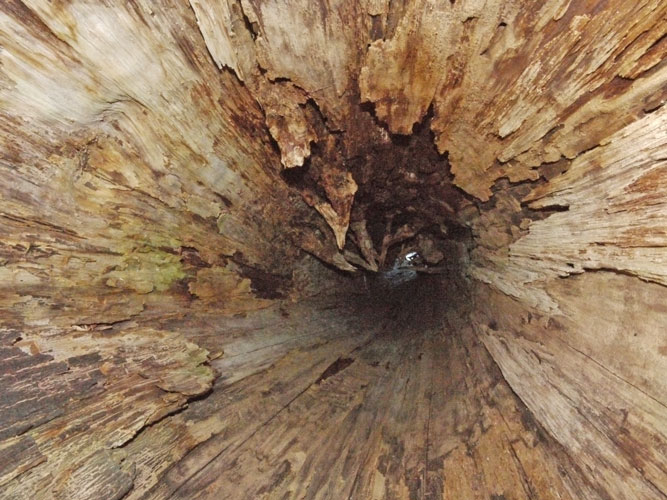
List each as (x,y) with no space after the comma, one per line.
(179,178)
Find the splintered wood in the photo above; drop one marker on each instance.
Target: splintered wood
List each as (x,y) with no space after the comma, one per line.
(174,174)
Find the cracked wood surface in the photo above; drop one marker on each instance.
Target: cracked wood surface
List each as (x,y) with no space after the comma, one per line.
(165,164)
(383,424)
(598,404)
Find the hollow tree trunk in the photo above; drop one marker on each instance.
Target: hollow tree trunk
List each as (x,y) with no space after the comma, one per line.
(201,203)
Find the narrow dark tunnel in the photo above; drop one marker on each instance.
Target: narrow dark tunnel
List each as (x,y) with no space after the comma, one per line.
(297,249)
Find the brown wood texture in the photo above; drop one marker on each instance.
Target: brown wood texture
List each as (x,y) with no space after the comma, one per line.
(196,197)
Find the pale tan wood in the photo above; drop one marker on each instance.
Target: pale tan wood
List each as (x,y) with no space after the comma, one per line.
(182,311)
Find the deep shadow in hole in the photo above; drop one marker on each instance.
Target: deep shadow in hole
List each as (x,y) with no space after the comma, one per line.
(410,305)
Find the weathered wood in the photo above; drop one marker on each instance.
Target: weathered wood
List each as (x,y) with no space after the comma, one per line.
(169,169)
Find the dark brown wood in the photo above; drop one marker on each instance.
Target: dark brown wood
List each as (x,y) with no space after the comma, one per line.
(199,200)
